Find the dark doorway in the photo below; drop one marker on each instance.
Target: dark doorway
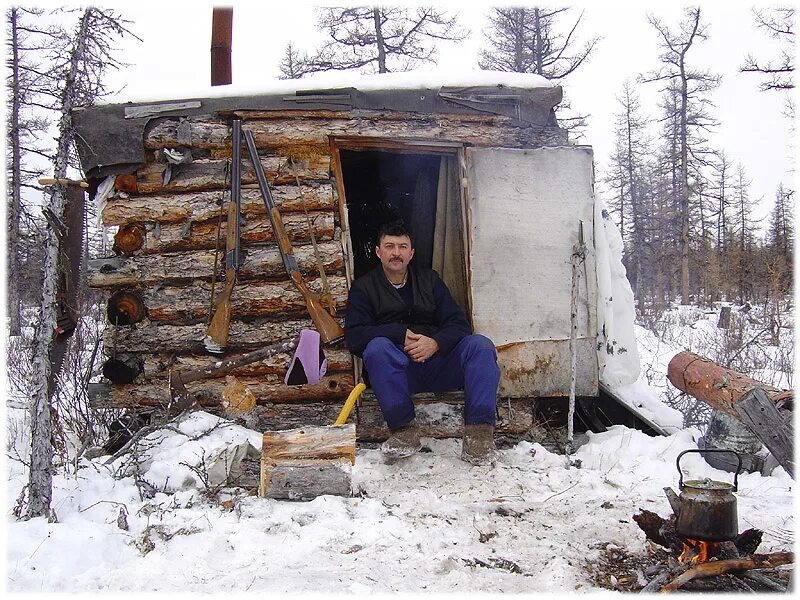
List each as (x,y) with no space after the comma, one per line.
(383,186)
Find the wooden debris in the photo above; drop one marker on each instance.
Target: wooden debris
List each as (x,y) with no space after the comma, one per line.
(719,567)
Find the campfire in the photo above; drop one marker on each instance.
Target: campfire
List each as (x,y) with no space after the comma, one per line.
(702,565)
(697,551)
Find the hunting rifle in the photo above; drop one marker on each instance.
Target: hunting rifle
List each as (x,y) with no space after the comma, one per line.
(329,330)
(216,339)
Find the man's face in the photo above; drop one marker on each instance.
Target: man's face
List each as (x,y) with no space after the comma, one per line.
(394,252)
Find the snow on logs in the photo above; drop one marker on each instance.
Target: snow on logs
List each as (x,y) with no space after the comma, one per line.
(170,247)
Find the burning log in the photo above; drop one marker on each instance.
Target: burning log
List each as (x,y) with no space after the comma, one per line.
(719,567)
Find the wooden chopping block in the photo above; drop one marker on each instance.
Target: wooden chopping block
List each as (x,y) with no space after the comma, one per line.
(303,463)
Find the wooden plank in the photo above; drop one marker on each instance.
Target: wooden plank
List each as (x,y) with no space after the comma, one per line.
(305,479)
(148,110)
(260,262)
(200,206)
(758,411)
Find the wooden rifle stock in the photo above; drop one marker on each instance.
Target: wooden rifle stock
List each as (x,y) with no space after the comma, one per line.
(329,330)
(216,339)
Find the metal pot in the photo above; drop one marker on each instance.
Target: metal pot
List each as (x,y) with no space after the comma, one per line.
(706,509)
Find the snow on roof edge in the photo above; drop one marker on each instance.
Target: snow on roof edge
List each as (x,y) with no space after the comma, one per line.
(419,79)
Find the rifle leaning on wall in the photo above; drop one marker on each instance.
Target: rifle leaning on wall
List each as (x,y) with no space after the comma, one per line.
(216,339)
(329,330)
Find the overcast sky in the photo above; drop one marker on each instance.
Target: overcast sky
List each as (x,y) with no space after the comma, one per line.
(173,62)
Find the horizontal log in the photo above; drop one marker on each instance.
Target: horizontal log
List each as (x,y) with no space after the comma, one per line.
(191,304)
(157,366)
(174,237)
(212,174)
(200,206)
(188,339)
(714,384)
(314,133)
(328,442)
(306,479)
(260,262)
(208,393)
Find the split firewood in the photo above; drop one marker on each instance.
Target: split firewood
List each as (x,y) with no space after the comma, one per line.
(719,567)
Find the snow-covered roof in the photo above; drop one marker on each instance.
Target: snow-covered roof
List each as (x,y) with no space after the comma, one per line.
(408,80)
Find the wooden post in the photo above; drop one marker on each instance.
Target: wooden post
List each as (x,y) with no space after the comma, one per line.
(760,414)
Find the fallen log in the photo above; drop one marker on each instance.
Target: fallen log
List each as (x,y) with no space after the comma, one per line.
(719,567)
(715,385)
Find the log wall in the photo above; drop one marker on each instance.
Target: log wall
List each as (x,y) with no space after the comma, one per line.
(171,220)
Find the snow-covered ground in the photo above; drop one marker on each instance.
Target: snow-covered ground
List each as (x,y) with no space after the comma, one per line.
(429,524)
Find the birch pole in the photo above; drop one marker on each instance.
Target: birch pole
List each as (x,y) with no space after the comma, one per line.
(577,258)
(40,482)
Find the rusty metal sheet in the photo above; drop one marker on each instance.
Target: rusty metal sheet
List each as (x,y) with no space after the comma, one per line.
(541,369)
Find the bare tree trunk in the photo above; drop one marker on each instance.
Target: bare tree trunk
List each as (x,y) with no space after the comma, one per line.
(376,14)
(15,183)
(40,484)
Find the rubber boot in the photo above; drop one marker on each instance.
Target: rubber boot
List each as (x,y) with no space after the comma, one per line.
(477,447)
(402,443)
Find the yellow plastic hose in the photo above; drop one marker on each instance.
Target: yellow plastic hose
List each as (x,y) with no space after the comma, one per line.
(349,404)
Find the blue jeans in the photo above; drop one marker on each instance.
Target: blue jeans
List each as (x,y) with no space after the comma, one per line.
(471,365)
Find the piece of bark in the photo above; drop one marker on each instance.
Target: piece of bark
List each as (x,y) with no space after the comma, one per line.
(718,567)
(260,262)
(748,541)
(715,385)
(659,530)
(201,206)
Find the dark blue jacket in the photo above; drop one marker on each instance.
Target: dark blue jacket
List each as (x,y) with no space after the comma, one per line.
(372,311)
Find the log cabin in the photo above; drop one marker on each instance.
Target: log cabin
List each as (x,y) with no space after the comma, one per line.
(496,194)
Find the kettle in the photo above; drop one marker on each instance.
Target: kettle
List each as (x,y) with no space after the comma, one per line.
(705,509)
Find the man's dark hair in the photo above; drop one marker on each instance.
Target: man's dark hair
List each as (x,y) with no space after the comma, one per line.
(395,228)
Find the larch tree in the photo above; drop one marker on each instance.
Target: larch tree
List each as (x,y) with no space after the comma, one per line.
(689,88)
(777,73)
(24,128)
(77,76)
(375,39)
(626,178)
(531,40)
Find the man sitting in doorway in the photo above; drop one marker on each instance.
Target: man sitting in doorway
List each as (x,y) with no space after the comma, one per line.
(413,337)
